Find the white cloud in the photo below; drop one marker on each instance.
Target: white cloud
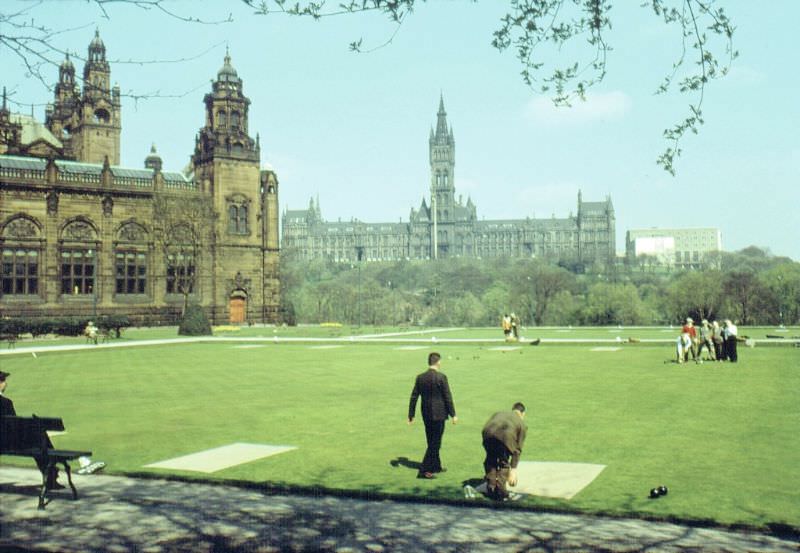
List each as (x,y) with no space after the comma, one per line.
(603,106)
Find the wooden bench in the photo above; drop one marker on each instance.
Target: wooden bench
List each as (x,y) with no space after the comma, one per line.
(27,437)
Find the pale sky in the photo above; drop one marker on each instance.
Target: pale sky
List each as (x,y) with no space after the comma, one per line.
(353,129)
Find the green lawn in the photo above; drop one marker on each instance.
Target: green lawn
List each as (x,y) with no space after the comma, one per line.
(722,437)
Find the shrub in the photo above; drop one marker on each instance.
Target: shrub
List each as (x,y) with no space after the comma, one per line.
(195,322)
(113,322)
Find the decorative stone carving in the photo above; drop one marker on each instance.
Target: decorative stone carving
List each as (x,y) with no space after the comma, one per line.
(132,232)
(52,202)
(21,228)
(238,282)
(108,206)
(79,231)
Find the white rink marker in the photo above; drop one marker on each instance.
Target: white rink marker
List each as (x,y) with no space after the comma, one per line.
(604,348)
(545,479)
(212,460)
(504,348)
(324,347)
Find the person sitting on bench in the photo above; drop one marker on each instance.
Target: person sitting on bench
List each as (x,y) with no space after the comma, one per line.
(7,410)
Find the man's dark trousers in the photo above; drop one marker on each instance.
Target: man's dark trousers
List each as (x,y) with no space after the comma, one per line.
(433,434)
(497,455)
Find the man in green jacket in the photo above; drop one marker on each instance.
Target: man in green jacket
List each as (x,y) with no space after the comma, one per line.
(503,438)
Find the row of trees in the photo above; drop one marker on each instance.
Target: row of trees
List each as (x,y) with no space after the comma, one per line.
(750,286)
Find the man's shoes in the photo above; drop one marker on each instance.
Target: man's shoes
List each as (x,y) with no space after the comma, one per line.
(426,475)
(91,467)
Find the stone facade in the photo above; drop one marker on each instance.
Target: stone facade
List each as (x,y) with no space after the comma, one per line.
(80,235)
(444,226)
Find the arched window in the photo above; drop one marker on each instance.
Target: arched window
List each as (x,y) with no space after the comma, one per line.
(222,118)
(238,217)
(235,119)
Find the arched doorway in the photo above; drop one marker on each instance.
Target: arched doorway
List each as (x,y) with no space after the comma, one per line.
(238,306)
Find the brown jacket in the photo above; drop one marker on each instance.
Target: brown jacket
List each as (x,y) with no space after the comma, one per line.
(508,428)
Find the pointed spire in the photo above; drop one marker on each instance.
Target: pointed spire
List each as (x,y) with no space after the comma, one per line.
(441,121)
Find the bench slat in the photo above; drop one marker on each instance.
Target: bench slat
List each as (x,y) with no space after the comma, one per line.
(68,453)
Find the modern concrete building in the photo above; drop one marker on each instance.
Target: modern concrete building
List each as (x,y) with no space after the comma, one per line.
(680,248)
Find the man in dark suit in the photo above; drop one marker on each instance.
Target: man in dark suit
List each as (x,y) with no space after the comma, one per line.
(503,437)
(437,405)
(7,410)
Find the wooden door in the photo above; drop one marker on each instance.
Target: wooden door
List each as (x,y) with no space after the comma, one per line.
(237,310)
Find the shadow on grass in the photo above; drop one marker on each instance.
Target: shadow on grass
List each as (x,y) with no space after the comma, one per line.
(405,462)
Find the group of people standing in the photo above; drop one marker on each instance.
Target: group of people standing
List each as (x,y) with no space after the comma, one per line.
(503,435)
(718,340)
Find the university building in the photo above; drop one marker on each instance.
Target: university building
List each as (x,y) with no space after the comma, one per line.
(81,235)
(444,226)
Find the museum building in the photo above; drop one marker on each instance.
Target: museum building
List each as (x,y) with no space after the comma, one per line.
(81,235)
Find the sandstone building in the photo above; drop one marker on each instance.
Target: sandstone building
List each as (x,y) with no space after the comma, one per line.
(444,226)
(80,234)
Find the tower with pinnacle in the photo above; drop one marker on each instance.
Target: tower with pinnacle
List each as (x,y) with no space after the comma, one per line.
(88,124)
(442,151)
(226,162)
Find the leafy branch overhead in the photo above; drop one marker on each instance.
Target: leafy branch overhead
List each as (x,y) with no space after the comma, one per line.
(539,31)
(561,45)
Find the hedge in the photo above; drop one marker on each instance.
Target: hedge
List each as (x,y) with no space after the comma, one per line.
(63,326)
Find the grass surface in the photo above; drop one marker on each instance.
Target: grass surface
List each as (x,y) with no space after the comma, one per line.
(722,437)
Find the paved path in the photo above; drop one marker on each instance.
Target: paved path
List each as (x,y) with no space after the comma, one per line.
(124,514)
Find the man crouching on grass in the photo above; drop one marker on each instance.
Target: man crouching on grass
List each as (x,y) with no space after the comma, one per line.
(503,438)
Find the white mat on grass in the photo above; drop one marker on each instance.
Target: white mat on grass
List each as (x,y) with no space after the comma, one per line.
(560,480)
(212,460)
(504,348)
(324,347)
(604,348)
(249,346)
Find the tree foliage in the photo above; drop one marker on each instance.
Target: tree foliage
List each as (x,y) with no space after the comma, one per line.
(540,31)
(476,292)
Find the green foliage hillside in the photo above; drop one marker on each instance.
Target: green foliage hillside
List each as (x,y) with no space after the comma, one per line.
(750,286)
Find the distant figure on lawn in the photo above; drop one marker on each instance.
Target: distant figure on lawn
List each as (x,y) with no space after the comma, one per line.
(506,324)
(503,438)
(706,340)
(515,326)
(437,406)
(719,341)
(689,329)
(730,333)
(90,332)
